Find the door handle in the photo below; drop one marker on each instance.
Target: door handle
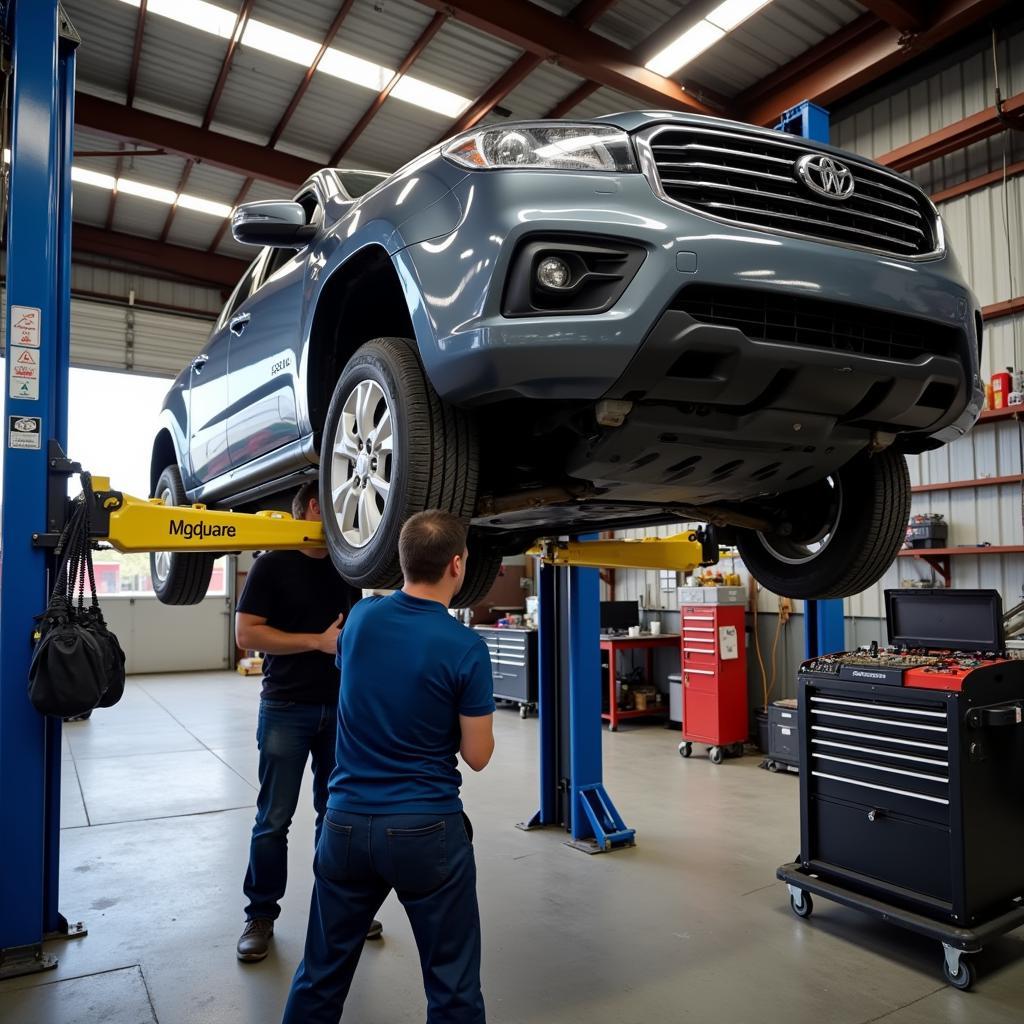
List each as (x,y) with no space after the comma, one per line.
(238,323)
(199,362)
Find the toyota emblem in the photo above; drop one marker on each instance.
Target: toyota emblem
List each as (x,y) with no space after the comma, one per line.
(825,175)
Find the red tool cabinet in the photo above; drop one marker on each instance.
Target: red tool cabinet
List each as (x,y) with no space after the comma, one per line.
(714,669)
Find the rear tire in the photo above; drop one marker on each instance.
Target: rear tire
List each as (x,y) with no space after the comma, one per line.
(481,571)
(178,577)
(872,509)
(391,448)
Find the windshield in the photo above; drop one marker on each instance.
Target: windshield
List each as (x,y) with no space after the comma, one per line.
(358,183)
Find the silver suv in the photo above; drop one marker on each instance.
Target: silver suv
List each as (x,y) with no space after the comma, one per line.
(555,327)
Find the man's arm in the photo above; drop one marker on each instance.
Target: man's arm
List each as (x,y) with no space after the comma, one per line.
(253,634)
(477,740)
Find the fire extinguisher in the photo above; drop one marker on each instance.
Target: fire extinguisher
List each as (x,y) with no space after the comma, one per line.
(1002,384)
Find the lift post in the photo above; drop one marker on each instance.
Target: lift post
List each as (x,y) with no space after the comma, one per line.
(824,623)
(35,407)
(572,793)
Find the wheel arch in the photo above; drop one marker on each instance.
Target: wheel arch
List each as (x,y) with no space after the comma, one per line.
(363,299)
(164,454)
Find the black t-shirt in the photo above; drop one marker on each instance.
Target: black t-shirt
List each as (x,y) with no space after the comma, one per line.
(298,594)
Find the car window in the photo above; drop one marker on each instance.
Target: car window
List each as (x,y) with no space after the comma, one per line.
(242,290)
(314,215)
(358,183)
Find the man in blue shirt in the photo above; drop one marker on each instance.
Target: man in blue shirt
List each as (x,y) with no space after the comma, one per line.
(416,690)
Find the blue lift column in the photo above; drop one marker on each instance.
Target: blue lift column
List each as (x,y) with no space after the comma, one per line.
(824,625)
(35,410)
(572,792)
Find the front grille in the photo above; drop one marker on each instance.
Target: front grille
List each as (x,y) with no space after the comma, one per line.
(785,318)
(748,178)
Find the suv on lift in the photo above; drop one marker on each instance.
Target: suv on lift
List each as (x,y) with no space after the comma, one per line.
(554,328)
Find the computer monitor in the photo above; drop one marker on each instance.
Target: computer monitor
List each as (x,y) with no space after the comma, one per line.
(619,615)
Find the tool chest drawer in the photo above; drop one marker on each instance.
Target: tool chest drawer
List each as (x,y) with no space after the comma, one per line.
(513,662)
(884,845)
(889,755)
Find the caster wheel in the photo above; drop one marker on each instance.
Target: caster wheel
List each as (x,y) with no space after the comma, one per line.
(804,907)
(685,749)
(524,711)
(736,749)
(965,976)
(773,766)
(715,755)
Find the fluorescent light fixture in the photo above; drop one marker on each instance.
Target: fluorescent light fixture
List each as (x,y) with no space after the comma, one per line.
(200,205)
(432,97)
(291,47)
(286,45)
(349,68)
(144,191)
(86,177)
(692,43)
(702,36)
(731,13)
(197,13)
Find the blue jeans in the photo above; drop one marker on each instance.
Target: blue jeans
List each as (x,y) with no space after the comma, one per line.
(428,860)
(287,734)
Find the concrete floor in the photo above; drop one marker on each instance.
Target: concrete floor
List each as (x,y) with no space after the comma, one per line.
(688,926)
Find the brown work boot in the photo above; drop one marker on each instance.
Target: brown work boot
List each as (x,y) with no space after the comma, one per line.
(254,943)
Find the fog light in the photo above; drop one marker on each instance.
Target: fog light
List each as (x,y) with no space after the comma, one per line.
(553,272)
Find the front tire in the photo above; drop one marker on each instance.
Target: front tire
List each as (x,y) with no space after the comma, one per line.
(864,509)
(391,448)
(178,577)
(482,570)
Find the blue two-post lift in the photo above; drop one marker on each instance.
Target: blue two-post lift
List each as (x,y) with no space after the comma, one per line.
(42,46)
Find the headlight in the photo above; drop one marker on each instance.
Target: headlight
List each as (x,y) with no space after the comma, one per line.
(561,147)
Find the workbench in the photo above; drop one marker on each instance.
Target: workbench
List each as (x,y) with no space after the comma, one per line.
(647,642)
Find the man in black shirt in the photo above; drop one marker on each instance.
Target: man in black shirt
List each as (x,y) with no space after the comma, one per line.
(292,609)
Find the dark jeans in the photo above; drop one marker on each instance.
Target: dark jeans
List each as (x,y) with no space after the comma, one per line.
(287,734)
(428,860)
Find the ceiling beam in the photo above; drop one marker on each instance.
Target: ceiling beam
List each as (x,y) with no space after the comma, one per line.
(907,15)
(854,57)
(433,27)
(133,70)
(203,267)
(584,14)
(225,65)
(956,136)
(551,37)
(307,78)
(202,145)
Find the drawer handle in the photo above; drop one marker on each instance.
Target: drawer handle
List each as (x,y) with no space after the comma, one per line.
(698,650)
(884,789)
(938,779)
(698,671)
(879,721)
(894,709)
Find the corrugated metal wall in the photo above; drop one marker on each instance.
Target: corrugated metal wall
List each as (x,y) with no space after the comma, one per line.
(109,334)
(986,229)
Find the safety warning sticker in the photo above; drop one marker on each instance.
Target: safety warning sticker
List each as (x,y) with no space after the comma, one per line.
(24,432)
(25,324)
(27,389)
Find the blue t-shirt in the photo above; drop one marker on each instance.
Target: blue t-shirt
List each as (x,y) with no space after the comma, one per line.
(409,671)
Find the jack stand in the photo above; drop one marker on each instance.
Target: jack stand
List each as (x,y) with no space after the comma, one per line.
(569,701)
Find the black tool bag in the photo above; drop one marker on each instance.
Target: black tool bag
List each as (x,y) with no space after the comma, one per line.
(78,663)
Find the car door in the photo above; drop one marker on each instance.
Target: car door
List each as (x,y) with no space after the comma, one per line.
(265,347)
(208,389)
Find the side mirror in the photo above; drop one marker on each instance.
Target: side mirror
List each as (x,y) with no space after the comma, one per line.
(279,224)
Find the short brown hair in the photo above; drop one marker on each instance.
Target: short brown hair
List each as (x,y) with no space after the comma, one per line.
(303,496)
(429,541)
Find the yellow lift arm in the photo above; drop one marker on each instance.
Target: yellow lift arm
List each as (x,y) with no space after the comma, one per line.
(682,552)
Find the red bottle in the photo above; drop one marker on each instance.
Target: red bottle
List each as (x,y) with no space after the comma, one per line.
(1002,384)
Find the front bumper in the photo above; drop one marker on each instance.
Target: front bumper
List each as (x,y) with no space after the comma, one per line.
(476,356)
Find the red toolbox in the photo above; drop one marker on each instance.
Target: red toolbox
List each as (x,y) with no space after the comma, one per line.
(714,669)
